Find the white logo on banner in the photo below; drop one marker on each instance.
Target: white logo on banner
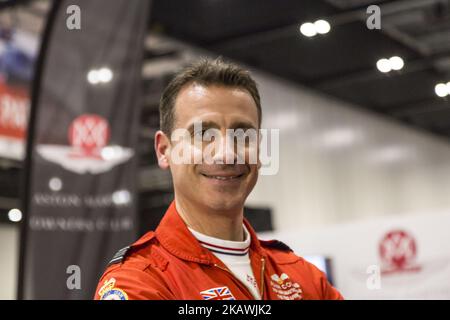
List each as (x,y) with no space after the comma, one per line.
(89,151)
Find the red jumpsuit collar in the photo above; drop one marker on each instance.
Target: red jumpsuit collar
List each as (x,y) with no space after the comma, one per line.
(176,238)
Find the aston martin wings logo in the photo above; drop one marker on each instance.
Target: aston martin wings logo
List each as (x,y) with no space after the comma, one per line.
(88,151)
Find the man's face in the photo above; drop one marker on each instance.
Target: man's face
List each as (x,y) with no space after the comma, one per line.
(218,185)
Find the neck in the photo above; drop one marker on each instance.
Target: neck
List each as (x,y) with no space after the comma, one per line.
(225,225)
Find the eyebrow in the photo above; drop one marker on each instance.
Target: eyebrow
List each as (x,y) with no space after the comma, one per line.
(205,125)
(243,125)
(211,124)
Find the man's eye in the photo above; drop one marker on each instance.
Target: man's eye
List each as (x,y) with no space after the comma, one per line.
(203,135)
(199,134)
(209,135)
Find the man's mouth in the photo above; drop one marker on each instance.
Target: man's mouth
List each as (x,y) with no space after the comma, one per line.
(223,177)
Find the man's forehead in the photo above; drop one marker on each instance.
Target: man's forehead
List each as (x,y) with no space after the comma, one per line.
(197,91)
(194,91)
(209,103)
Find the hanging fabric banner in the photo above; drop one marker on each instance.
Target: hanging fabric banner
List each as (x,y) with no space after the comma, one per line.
(81,166)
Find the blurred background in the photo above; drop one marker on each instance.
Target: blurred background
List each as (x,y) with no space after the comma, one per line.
(363,187)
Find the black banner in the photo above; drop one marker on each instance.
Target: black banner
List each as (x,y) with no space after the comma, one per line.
(81,167)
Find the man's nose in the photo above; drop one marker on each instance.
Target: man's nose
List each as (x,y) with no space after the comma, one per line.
(224,150)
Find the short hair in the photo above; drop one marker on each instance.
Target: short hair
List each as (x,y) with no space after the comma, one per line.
(205,72)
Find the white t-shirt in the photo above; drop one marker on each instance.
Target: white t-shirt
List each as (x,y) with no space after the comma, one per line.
(234,254)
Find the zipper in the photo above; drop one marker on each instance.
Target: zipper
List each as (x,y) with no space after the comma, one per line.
(242,284)
(263,262)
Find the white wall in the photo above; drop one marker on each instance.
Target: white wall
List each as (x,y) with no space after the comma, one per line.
(339,163)
(354,251)
(9,239)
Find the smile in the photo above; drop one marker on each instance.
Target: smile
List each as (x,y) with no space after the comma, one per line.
(223,178)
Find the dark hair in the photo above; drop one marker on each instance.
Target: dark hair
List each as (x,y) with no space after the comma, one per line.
(205,72)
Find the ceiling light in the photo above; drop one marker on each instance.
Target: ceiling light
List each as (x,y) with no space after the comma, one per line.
(322,26)
(105,75)
(441,90)
(55,184)
(93,77)
(393,63)
(15,215)
(121,197)
(308,29)
(96,76)
(397,63)
(384,65)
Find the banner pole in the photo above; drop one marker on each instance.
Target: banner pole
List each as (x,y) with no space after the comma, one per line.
(26,171)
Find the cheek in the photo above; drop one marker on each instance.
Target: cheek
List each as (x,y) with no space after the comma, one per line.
(188,153)
(251,154)
(182,173)
(253,176)
(197,153)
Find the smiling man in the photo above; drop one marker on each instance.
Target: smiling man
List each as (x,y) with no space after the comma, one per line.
(204,248)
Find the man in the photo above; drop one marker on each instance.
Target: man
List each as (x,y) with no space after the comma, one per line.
(204,248)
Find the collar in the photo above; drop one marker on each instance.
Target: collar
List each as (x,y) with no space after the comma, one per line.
(175,237)
(224,247)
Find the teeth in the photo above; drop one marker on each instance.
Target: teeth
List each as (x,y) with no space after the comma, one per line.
(223,178)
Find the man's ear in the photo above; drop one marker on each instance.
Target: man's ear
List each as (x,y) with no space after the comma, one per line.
(162,149)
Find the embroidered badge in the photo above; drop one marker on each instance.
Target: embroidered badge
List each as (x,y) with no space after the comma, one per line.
(109,292)
(285,288)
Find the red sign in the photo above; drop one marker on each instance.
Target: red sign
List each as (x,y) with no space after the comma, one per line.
(14,106)
(398,252)
(88,134)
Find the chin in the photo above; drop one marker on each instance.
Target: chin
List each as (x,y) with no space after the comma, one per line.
(222,204)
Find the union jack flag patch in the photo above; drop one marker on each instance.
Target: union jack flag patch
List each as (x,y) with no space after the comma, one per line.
(219,293)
